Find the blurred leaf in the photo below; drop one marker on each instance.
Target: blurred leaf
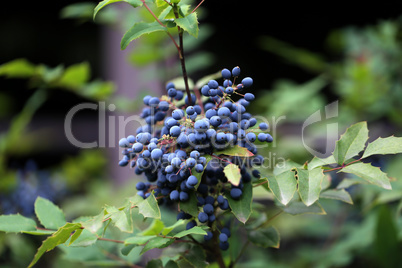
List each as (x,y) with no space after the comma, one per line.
(197,230)
(138,240)
(389,145)
(386,243)
(346,183)
(16,223)
(133,3)
(120,218)
(98,90)
(49,215)
(298,208)
(75,76)
(266,237)
(82,10)
(155,228)
(171,264)
(190,206)
(84,239)
(157,242)
(351,142)
(168,229)
(138,29)
(196,256)
(149,208)
(298,56)
(372,174)
(316,162)
(156,263)
(242,208)
(18,68)
(340,195)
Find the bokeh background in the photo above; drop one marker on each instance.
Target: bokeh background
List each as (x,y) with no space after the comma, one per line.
(301,57)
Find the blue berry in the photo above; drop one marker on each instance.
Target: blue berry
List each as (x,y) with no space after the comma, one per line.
(223,237)
(199,168)
(226,231)
(247,82)
(213,84)
(177,114)
(229,90)
(203,217)
(124,143)
(192,180)
(236,193)
(179,95)
(183,196)
(226,74)
(156,154)
(172,92)
(190,110)
(169,85)
(208,236)
(224,245)
(175,131)
(236,71)
(263,126)
(174,195)
(190,225)
(209,209)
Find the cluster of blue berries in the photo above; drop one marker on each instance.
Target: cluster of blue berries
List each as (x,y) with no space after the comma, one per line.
(171,150)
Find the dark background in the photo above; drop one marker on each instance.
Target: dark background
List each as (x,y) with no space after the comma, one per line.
(34,30)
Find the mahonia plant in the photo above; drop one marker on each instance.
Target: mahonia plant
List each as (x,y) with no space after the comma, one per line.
(198,152)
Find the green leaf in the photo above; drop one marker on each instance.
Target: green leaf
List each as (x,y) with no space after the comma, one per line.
(196,256)
(389,145)
(284,167)
(236,151)
(266,237)
(341,195)
(189,24)
(298,208)
(157,242)
(232,173)
(134,3)
(309,185)
(39,232)
(171,264)
(170,228)
(283,186)
(195,230)
(316,162)
(16,223)
(75,76)
(346,183)
(84,238)
(138,240)
(155,228)
(351,142)
(242,208)
(139,29)
(49,215)
(190,206)
(149,208)
(120,218)
(18,68)
(94,224)
(373,175)
(59,237)
(155,263)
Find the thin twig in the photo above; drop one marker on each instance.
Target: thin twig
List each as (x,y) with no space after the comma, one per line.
(202,1)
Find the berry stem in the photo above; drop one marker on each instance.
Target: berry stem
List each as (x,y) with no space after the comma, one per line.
(202,1)
(181,55)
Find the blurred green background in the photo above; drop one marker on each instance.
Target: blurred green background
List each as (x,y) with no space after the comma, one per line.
(301,57)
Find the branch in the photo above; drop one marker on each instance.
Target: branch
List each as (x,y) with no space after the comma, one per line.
(197,6)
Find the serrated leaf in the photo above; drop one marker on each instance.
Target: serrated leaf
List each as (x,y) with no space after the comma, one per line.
(139,29)
(197,230)
(120,218)
(138,240)
(155,228)
(351,143)
(16,223)
(242,208)
(196,256)
(76,234)
(94,224)
(18,68)
(286,166)
(340,195)
(389,145)
(134,3)
(316,162)
(190,206)
(59,237)
(83,239)
(283,186)
(309,185)
(157,242)
(232,173)
(49,215)
(170,228)
(298,208)
(149,208)
(266,237)
(236,151)
(372,174)
(189,24)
